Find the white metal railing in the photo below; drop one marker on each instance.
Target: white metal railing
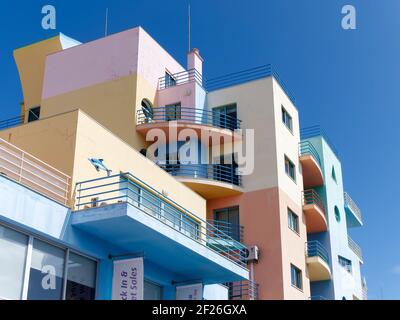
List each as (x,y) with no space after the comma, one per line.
(355,247)
(28,170)
(348,201)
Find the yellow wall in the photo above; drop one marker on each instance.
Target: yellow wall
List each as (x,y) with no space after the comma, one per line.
(31,63)
(67,141)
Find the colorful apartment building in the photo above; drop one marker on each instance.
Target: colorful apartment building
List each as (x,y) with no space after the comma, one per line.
(114,122)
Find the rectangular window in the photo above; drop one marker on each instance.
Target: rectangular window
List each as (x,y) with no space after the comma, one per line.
(287,119)
(170,81)
(345,263)
(34,114)
(225,117)
(293,221)
(13,250)
(81,278)
(173,112)
(46,272)
(227,220)
(296,277)
(290,168)
(152,291)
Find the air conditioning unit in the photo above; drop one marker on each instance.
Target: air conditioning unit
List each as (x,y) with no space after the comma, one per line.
(252,253)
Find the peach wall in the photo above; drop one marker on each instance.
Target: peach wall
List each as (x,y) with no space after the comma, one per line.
(259,214)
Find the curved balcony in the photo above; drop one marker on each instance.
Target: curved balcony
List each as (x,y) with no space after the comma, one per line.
(215,124)
(211,181)
(311,165)
(314,209)
(317,261)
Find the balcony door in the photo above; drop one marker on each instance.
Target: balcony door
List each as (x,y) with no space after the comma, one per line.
(227,221)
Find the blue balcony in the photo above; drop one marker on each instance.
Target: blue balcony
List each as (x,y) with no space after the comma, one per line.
(317,259)
(127,212)
(311,165)
(12,122)
(353,212)
(355,248)
(209,180)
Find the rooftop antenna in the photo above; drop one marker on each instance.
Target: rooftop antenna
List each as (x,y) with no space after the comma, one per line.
(189,14)
(106,24)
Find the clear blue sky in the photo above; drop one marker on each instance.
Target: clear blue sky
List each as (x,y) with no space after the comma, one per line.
(346,81)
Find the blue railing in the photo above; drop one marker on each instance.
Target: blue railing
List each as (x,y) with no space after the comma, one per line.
(307,148)
(224,81)
(315,298)
(217,172)
(316,131)
(126,188)
(243,290)
(12,122)
(189,115)
(316,249)
(234,231)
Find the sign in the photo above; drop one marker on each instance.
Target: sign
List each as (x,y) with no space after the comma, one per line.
(190,292)
(128,278)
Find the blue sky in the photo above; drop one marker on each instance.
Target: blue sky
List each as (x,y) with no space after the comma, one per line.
(346,81)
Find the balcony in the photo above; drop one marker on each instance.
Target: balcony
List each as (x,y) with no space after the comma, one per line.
(209,180)
(353,213)
(180,78)
(12,122)
(355,248)
(318,261)
(243,290)
(216,124)
(128,212)
(224,228)
(33,173)
(314,209)
(311,165)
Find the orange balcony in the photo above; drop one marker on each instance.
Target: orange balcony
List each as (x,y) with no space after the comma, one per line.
(311,165)
(204,123)
(314,210)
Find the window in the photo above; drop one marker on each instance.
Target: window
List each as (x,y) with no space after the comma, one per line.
(337,214)
(173,112)
(287,119)
(81,279)
(334,174)
(293,221)
(34,114)
(225,117)
(46,272)
(296,277)
(41,269)
(13,250)
(228,221)
(345,263)
(170,81)
(290,168)
(152,291)
(147,109)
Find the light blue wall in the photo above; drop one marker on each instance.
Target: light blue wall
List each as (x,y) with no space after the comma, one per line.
(335,240)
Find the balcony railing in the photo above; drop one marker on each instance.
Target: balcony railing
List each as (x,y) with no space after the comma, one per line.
(180,78)
(189,115)
(316,249)
(243,290)
(307,148)
(224,81)
(316,131)
(312,197)
(126,188)
(216,172)
(355,247)
(28,170)
(234,231)
(348,201)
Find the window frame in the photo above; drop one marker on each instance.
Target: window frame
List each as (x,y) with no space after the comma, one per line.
(293,214)
(291,163)
(298,277)
(287,119)
(31,112)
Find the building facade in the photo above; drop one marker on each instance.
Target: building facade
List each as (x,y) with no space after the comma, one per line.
(208,182)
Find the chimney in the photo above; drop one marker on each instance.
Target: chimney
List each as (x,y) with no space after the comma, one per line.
(195,61)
